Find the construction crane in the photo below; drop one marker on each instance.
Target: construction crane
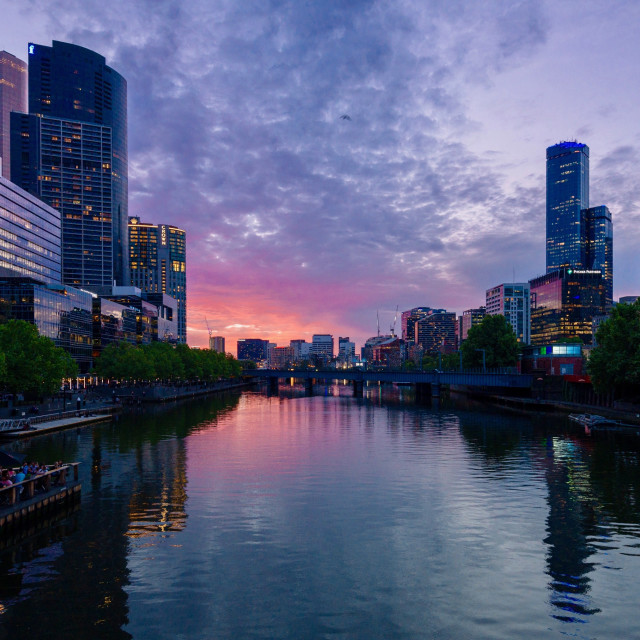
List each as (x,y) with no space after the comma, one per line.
(209,330)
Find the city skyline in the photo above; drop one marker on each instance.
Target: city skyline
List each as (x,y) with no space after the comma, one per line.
(428,192)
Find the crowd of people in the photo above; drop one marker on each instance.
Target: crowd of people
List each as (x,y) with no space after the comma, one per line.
(10,476)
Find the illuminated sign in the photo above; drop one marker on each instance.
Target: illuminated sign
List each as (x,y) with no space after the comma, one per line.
(582,271)
(163,235)
(32,48)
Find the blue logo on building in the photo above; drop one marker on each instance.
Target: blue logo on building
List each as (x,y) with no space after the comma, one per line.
(31,49)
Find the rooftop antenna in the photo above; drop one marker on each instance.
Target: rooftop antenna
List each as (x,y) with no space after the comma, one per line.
(378,320)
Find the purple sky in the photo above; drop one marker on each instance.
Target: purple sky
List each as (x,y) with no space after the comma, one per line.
(302,222)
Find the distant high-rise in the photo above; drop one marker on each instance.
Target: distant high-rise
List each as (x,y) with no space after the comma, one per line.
(158,264)
(71,151)
(578,236)
(253,349)
(13,97)
(217,343)
(512,300)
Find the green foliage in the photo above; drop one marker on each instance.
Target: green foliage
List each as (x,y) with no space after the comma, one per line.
(162,361)
(31,363)
(614,365)
(495,335)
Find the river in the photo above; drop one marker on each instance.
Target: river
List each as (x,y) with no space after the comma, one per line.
(256,516)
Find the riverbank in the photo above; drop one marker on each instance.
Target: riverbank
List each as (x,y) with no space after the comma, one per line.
(104,402)
(529,405)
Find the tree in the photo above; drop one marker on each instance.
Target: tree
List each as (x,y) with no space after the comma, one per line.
(33,363)
(614,365)
(495,336)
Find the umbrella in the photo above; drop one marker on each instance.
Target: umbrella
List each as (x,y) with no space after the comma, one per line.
(11,459)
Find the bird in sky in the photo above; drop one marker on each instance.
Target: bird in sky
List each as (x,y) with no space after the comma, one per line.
(344,116)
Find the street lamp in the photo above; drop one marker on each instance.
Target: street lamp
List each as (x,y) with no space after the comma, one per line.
(484,360)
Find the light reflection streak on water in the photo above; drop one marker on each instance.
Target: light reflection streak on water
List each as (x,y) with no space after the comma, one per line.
(356,518)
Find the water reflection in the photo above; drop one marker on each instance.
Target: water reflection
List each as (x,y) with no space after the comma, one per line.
(292,516)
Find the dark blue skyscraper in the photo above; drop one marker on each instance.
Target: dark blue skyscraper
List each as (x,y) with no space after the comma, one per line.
(71,151)
(567,196)
(578,237)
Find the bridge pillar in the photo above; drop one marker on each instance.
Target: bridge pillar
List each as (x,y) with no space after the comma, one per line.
(273,384)
(435,390)
(308,386)
(358,388)
(423,391)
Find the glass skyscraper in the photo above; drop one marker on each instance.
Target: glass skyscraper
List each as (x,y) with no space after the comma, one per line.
(71,151)
(29,236)
(13,97)
(578,237)
(158,264)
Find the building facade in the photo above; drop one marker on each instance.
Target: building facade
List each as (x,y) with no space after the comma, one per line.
(29,236)
(59,312)
(300,350)
(13,97)
(578,236)
(71,151)
(252,349)
(158,255)
(112,323)
(436,333)
(468,319)
(67,165)
(409,319)
(321,348)
(512,300)
(563,305)
(217,343)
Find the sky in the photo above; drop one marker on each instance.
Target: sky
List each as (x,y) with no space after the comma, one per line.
(333,161)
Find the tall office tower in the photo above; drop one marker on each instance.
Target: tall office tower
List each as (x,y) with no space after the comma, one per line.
(599,250)
(578,237)
(71,151)
(567,197)
(512,300)
(158,264)
(13,97)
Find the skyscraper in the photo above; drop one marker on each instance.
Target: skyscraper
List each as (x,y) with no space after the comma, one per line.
(158,264)
(567,197)
(71,151)
(578,236)
(13,97)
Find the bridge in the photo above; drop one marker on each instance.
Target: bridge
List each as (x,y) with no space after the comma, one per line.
(419,378)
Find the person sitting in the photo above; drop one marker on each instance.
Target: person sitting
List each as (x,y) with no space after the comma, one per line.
(4,479)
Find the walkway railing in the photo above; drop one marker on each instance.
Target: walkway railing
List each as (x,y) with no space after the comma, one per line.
(44,482)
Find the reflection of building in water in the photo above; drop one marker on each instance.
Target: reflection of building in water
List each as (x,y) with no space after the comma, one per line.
(158,505)
(572,519)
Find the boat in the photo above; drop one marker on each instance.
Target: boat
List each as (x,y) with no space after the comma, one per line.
(590,419)
(592,422)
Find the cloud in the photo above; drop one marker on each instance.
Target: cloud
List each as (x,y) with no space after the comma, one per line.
(294,216)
